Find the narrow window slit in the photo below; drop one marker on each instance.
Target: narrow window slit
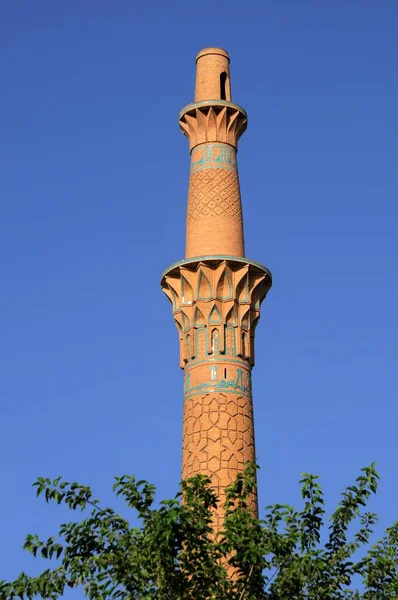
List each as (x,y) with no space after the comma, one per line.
(223,81)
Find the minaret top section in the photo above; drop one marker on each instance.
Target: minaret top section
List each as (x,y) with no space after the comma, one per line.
(212,75)
(213,125)
(213,117)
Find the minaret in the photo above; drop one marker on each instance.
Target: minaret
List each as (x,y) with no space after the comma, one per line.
(215,291)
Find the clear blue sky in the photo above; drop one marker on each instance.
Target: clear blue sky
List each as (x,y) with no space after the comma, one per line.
(94,175)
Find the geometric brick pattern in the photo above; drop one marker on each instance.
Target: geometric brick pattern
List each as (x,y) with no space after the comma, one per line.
(218,438)
(214,193)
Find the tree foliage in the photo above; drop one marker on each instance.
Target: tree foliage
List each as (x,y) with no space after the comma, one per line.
(174,553)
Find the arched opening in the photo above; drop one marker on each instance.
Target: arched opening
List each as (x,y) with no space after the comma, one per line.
(215,342)
(244,344)
(223,85)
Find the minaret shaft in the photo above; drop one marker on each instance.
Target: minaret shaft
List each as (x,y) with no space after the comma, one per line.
(215,291)
(214,215)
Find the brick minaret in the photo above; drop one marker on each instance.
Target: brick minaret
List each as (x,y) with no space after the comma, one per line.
(215,291)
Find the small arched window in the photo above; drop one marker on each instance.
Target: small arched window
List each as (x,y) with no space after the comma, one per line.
(244,343)
(223,85)
(215,342)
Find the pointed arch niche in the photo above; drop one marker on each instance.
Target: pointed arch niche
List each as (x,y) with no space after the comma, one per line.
(185,322)
(232,317)
(204,287)
(198,320)
(224,287)
(187,292)
(215,317)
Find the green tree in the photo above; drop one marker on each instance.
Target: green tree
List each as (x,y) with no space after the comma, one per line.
(175,555)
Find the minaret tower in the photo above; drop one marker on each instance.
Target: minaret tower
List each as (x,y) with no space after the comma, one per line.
(215,292)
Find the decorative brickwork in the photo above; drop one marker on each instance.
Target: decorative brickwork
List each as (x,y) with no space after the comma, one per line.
(214,193)
(214,213)
(218,438)
(216,296)
(221,122)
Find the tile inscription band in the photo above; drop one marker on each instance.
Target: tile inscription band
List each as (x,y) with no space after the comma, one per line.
(213,156)
(241,382)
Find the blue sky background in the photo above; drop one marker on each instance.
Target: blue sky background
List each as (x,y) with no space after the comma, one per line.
(93,189)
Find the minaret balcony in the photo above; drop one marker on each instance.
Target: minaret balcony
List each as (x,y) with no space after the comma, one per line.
(213,121)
